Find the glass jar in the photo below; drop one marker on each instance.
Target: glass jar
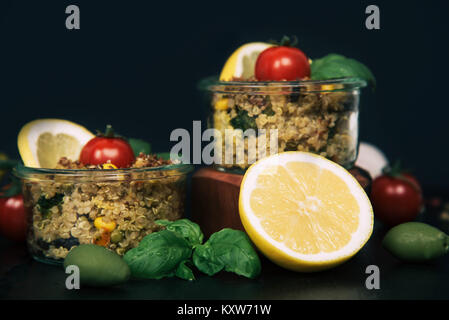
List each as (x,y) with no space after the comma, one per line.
(313,116)
(114,208)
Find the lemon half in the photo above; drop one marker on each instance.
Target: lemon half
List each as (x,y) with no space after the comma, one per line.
(242,62)
(43,142)
(304,212)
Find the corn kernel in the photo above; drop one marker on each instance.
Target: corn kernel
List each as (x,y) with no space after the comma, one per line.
(221,104)
(109,166)
(327,87)
(101,224)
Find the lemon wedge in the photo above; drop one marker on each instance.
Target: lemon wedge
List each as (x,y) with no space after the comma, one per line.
(43,142)
(304,212)
(242,62)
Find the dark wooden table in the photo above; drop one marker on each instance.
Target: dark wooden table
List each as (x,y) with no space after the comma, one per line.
(23,278)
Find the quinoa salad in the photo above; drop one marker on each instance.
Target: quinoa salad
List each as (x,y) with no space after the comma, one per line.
(116,214)
(322,122)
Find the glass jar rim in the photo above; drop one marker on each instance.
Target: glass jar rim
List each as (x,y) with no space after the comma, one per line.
(23,172)
(284,87)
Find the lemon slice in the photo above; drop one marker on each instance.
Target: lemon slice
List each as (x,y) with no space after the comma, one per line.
(304,212)
(242,62)
(43,142)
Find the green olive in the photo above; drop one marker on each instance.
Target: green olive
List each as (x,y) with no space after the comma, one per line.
(416,241)
(98,266)
(116,236)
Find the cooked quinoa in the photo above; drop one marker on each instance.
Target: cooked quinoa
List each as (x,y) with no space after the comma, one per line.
(317,122)
(64,213)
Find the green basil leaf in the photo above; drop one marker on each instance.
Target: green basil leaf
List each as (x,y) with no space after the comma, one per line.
(269,111)
(46,204)
(184,272)
(361,71)
(158,255)
(7,164)
(229,249)
(235,250)
(139,145)
(12,189)
(243,121)
(337,66)
(187,229)
(332,70)
(205,260)
(318,63)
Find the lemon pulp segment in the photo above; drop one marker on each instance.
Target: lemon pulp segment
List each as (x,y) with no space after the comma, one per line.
(50,148)
(308,208)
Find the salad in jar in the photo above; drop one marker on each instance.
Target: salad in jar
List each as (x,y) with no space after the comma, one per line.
(289,101)
(96,192)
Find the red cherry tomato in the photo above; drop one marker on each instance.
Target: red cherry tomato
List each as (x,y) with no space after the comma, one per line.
(13,218)
(101,149)
(282,63)
(396,200)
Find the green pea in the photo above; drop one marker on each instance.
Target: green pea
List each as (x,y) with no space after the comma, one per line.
(116,236)
(416,242)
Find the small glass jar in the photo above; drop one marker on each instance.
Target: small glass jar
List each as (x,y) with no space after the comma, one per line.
(114,208)
(313,116)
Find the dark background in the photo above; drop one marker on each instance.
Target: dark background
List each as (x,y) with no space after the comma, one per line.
(135,65)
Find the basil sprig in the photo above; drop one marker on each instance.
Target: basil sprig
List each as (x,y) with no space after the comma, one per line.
(173,251)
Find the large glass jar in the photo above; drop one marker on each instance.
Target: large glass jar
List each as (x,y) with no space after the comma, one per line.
(114,208)
(313,116)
